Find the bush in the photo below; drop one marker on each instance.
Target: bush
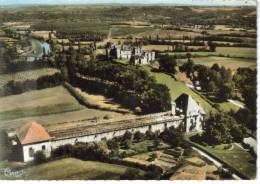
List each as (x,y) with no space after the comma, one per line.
(152,157)
(106,117)
(127,143)
(154,172)
(156,143)
(123,154)
(228,146)
(138,110)
(113,144)
(127,135)
(84,151)
(149,134)
(131,174)
(173,136)
(138,136)
(39,157)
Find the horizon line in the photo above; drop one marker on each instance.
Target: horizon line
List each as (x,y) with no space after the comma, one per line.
(128,4)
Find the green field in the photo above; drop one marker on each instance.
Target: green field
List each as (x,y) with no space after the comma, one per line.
(232,52)
(237,51)
(232,63)
(75,25)
(73,169)
(123,31)
(237,158)
(38,102)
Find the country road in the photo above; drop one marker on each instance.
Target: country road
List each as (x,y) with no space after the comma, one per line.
(236,103)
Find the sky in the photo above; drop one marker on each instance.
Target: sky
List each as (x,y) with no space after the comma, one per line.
(188,2)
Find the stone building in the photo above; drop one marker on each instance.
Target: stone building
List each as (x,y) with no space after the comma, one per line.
(193,113)
(135,55)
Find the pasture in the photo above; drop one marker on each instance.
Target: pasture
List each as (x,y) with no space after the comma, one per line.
(38,102)
(232,63)
(74,25)
(157,47)
(237,51)
(168,34)
(73,169)
(123,31)
(231,52)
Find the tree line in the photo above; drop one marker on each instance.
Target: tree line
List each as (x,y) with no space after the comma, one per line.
(17,87)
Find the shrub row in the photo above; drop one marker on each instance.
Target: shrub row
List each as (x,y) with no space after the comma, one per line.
(82,100)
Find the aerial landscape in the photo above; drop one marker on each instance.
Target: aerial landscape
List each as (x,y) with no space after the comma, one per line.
(128,91)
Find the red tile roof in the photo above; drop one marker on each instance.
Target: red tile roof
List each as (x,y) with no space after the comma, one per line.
(31,133)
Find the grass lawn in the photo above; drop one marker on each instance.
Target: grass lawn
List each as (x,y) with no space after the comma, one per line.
(38,102)
(177,88)
(237,157)
(74,169)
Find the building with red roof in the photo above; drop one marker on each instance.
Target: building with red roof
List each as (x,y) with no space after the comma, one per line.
(33,137)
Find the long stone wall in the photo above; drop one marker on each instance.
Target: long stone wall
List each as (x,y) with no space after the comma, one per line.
(157,122)
(109,135)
